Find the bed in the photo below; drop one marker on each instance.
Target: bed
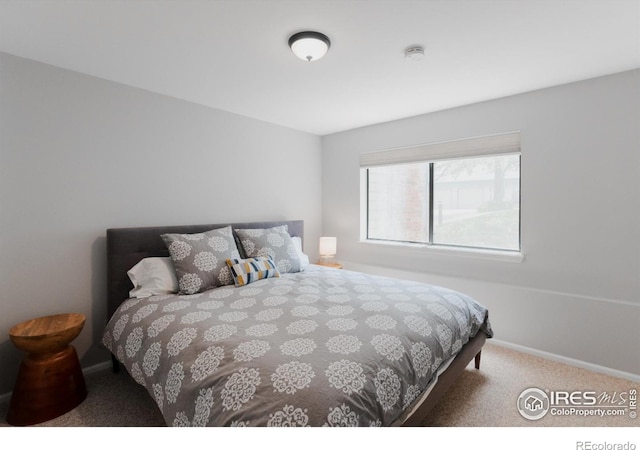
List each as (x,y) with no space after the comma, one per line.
(310,347)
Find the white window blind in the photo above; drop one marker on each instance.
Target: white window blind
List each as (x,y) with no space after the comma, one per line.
(463,148)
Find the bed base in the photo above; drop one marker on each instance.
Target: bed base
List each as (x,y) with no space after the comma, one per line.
(115,364)
(470,351)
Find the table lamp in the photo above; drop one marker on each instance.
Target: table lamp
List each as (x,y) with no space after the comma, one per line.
(327,248)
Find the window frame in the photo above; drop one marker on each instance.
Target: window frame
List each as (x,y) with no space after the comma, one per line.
(486,146)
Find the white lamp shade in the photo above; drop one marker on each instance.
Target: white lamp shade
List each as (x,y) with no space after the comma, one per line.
(328,246)
(309,45)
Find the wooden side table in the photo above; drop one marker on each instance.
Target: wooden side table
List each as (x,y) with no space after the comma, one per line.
(50,381)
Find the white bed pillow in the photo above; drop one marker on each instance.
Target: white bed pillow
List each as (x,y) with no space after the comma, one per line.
(304,258)
(153,276)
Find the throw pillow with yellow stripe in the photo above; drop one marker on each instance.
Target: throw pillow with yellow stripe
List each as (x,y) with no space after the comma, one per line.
(248,270)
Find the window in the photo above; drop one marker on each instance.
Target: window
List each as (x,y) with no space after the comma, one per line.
(460,194)
(398,203)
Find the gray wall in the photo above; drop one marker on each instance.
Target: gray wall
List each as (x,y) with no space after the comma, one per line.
(80,154)
(577,293)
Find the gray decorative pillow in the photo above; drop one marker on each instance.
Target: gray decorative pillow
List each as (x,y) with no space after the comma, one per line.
(273,242)
(200,259)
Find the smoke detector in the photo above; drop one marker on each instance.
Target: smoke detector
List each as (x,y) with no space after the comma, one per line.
(414,54)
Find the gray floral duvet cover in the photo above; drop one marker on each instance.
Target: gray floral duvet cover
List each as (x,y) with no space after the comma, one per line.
(323,347)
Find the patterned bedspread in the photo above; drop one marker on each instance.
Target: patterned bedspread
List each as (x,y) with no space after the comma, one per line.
(323,347)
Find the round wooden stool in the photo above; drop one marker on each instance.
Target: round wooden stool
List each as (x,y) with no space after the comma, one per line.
(50,381)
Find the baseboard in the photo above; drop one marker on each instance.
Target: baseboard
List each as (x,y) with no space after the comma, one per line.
(569,361)
(5,398)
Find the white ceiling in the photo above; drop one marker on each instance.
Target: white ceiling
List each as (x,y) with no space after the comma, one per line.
(233,54)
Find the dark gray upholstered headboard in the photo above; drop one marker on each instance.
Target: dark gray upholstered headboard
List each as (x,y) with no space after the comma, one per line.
(127,246)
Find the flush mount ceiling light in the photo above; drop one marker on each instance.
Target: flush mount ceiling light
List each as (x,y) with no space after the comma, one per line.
(309,45)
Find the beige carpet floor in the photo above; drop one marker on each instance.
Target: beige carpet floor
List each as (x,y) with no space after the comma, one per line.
(488,397)
(484,398)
